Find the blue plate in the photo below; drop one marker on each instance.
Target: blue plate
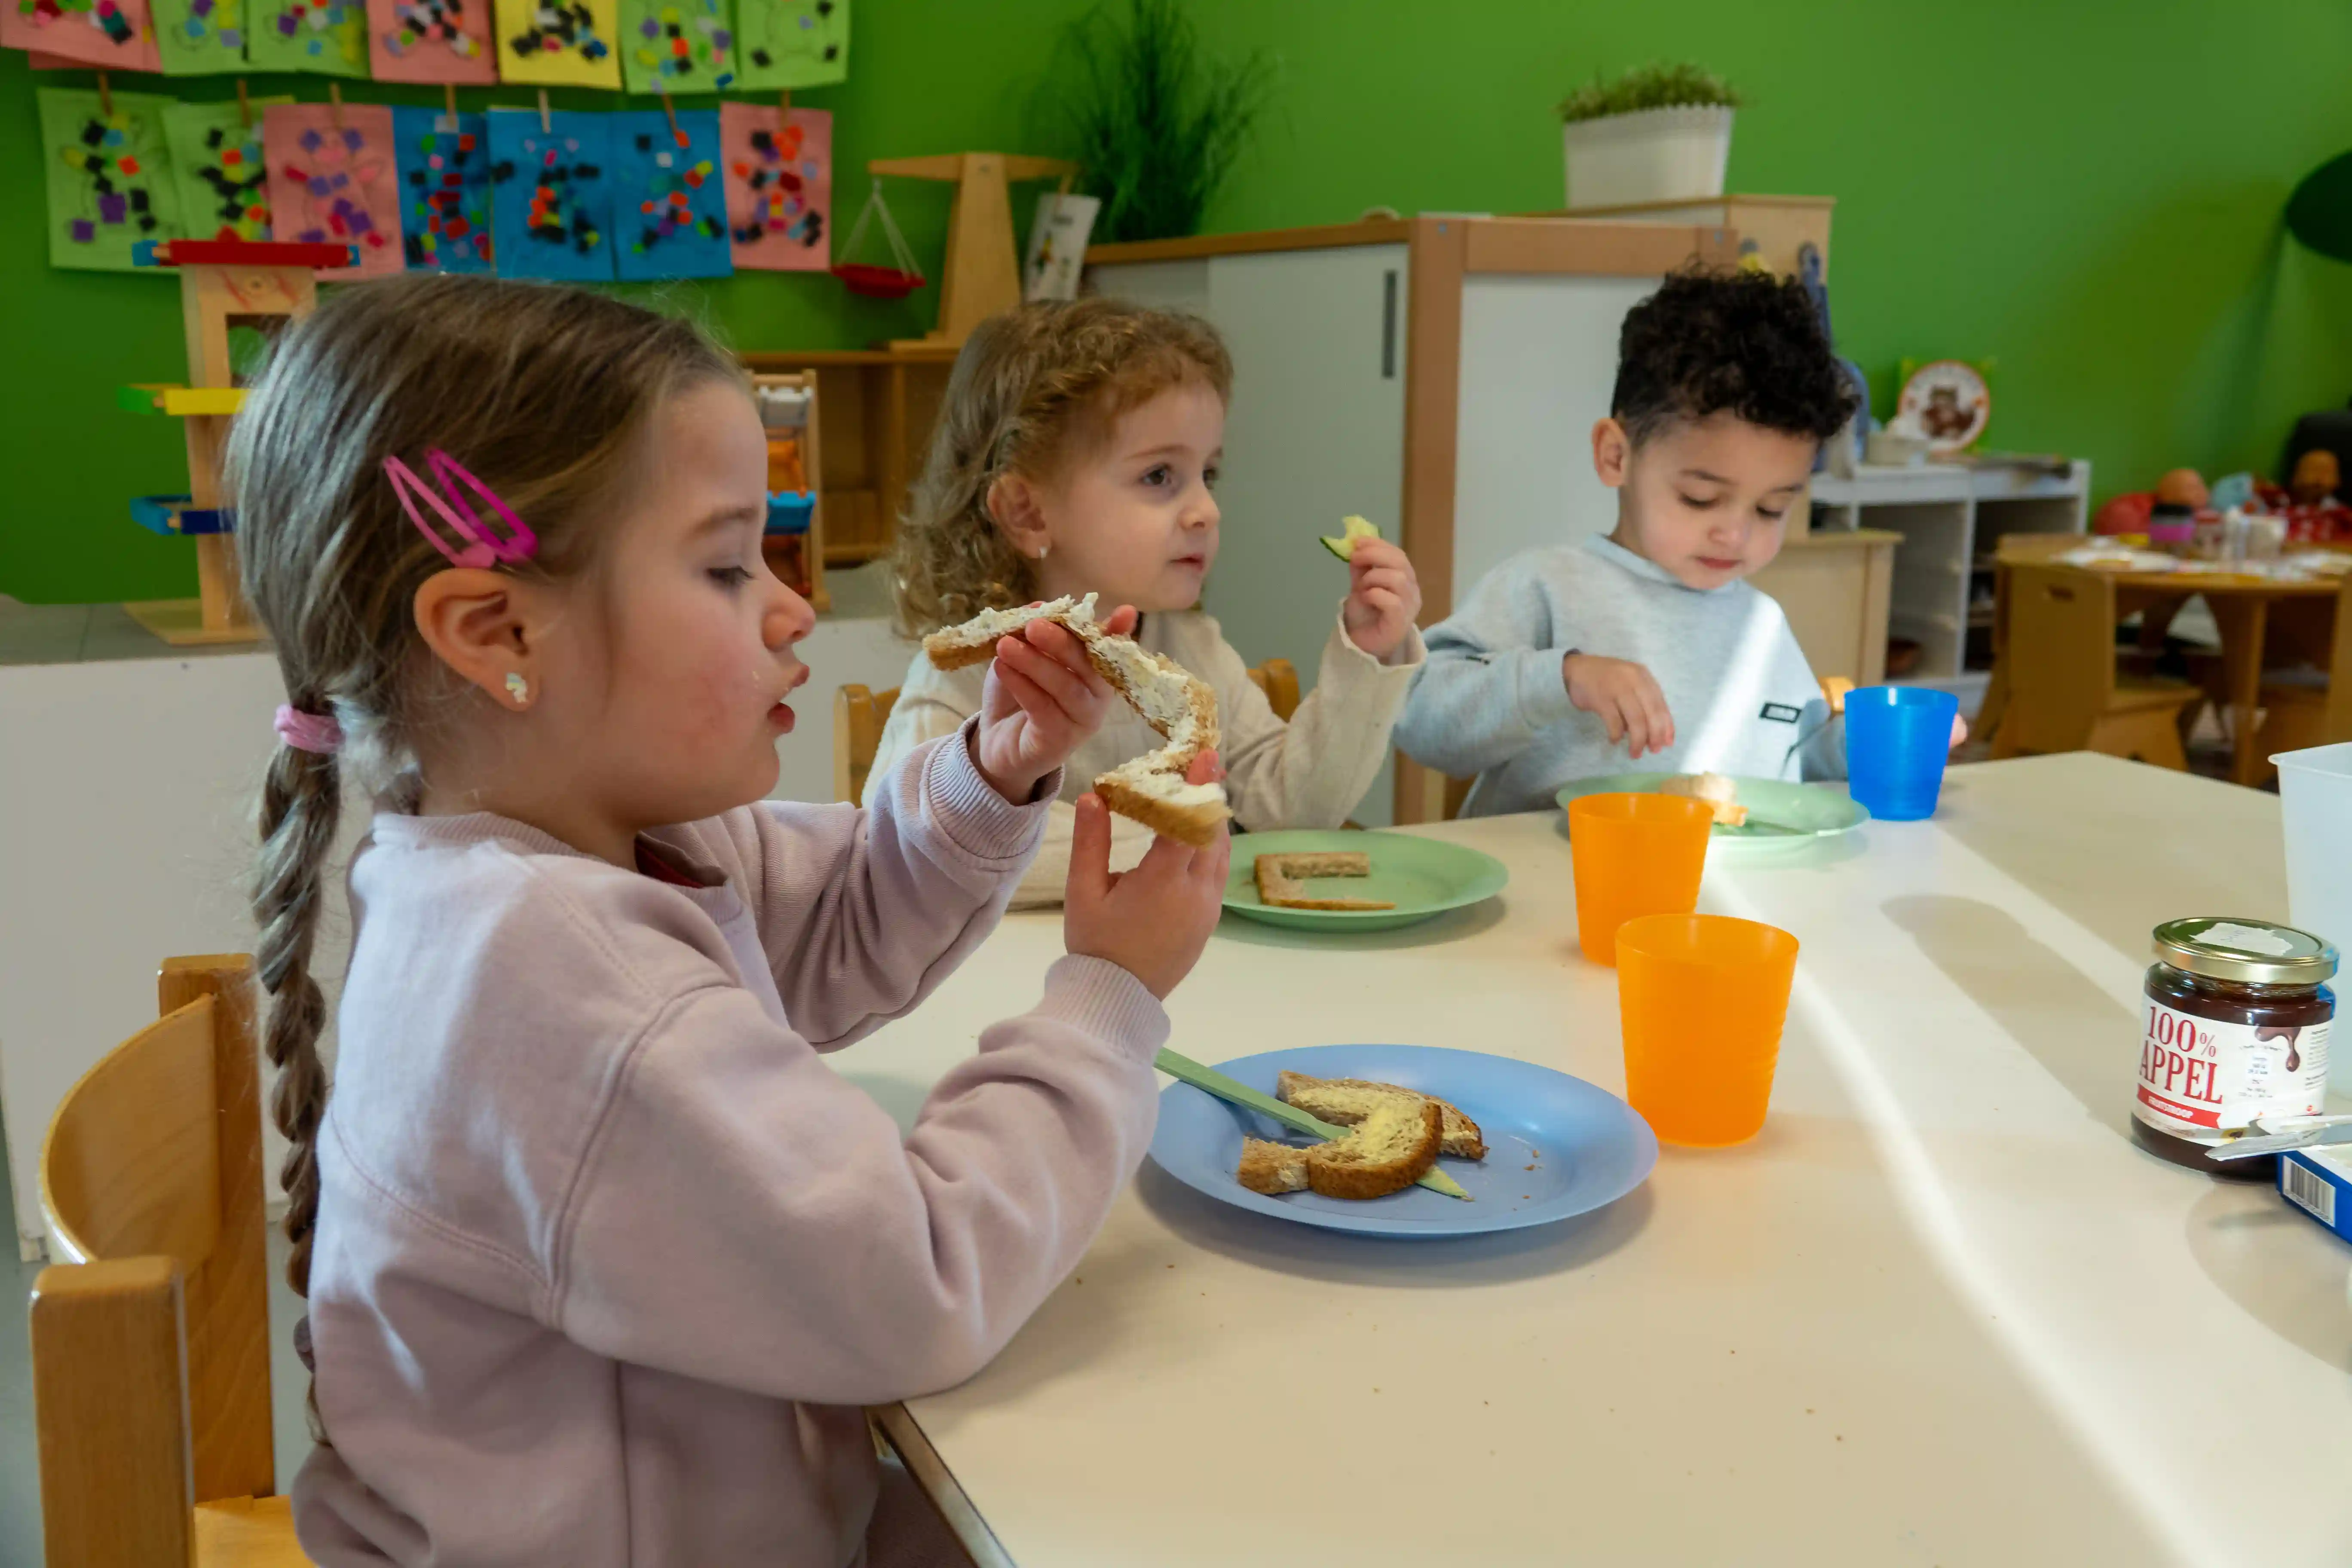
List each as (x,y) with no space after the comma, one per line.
(1588,1147)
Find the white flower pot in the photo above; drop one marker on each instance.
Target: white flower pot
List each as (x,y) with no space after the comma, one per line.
(1657,156)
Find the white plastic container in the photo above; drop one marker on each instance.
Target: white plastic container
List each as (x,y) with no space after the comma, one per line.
(1656,155)
(2316,800)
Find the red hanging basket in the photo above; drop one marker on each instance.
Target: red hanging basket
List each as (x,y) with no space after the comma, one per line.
(877,282)
(893,282)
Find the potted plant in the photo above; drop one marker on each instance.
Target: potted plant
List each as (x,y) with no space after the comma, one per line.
(1155,122)
(1657,133)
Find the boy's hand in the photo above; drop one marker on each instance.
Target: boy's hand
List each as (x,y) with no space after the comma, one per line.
(1154,920)
(1042,699)
(1959,732)
(1622,695)
(1383,597)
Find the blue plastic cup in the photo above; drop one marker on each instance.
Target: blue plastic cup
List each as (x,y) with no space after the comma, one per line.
(1897,738)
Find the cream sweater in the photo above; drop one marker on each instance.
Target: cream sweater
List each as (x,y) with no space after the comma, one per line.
(1309,772)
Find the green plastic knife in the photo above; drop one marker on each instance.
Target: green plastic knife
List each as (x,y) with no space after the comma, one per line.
(1209,1080)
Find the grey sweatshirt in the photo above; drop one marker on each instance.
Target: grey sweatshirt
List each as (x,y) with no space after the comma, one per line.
(608,1256)
(1492,700)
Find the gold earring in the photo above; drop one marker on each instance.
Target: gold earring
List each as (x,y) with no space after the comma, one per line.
(518,689)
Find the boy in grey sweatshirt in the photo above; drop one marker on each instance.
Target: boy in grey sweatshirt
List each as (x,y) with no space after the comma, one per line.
(1575,661)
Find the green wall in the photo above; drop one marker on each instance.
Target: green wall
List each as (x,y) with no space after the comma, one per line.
(2088,195)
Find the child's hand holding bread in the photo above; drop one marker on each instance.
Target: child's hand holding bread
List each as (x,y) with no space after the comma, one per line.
(1154,920)
(1042,699)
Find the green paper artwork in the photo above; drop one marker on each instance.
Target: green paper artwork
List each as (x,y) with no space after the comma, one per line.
(678,45)
(325,37)
(199,38)
(108,177)
(782,44)
(218,167)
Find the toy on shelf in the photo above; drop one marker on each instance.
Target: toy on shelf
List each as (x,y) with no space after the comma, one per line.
(981,274)
(792,544)
(223,285)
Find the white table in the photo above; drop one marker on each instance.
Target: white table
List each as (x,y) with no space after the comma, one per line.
(1942,1311)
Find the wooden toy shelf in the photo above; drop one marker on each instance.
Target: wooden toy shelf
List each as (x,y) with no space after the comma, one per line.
(879,405)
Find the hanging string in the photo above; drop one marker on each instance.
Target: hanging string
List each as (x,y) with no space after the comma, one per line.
(335,106)
(105,96)
(676,135)
(903,257)
(243,105)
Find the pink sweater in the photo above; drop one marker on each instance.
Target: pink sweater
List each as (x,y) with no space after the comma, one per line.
(608,1258)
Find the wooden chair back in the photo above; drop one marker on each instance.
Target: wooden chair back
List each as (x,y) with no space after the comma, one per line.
(151,1339)
(2061,655)
(858,716)
(1278,679)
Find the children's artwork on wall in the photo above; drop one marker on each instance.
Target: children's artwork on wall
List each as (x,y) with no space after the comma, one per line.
(331,183)
(670,210)
(552,195)
(199,38)
(444,164)
(111,35)
(218,164)
(559,43)
(678,45)
(779,171)
(109,180)
(432,40)
(790,42)
(328,37)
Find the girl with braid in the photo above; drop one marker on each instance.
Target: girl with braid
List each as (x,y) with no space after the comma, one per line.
(602,1259)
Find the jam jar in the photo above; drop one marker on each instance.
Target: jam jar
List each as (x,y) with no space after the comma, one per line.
(2238,1017)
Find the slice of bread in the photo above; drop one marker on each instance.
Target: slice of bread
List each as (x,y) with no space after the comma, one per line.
(1390,1150)
(1151,789)
(1272,1168)
(1717,791)
(1345,1102)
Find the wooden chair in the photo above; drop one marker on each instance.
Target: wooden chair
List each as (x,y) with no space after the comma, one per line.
(858,716)
(150,1342)
(2012,550)
(1278,679)
(2064,694)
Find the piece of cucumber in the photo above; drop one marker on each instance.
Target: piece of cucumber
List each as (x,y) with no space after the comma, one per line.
(1352,529)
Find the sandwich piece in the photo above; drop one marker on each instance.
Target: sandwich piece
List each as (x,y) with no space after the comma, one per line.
(1717,791)
(1389,1150)
(1272,1168)
(1281,880)
(1346,1101)
(1151,789)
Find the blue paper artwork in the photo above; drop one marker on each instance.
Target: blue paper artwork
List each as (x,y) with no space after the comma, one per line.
(669,204)
(443,161)
(552,195)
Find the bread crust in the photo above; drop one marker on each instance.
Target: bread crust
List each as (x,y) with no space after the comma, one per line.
(1198,826)
(1331,1172)
(1464,1138)
(1280,887)
(1272,1168)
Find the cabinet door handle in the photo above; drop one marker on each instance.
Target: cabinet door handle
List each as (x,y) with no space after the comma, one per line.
(1388,324)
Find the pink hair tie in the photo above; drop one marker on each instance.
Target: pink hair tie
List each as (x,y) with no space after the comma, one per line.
(483,549)
(313,733)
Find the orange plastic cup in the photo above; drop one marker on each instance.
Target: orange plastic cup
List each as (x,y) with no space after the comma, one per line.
(1702,999)
(1635,855)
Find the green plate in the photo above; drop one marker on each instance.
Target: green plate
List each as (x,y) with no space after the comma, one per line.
(1815,811)
(1423,876)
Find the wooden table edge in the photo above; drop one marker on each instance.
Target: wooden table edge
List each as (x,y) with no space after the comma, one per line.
(931,1476)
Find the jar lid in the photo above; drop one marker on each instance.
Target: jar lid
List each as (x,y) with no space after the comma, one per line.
(2249,951)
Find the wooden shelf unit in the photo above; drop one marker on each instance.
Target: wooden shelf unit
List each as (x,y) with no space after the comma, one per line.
(880,407)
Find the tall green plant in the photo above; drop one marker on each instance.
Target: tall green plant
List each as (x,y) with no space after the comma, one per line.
(1158,125)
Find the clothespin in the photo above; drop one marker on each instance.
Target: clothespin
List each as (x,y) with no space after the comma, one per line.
(450,103)
(105,96)
(243,105)
(785,97)
(676,135)
(546,127)
(335,106)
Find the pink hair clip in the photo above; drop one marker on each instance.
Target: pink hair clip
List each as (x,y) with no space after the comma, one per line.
(486,549)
